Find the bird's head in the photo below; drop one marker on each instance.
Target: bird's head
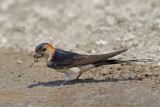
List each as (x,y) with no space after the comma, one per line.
(45,50)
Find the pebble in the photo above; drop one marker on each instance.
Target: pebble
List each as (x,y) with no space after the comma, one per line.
(101,42)
(19,62)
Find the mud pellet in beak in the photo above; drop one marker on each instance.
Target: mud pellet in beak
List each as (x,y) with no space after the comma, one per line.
(35,58)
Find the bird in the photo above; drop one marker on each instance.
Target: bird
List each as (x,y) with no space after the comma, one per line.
(70,62)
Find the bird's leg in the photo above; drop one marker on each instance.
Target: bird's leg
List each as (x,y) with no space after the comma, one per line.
(78,76)
(66,78)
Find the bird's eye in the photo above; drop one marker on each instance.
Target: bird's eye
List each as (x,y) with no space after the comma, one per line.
(44,49)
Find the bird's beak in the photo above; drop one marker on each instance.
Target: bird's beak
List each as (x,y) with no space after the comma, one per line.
(35,57)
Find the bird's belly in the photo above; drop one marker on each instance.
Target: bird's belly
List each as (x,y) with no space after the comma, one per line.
(74,70)
(87,67)
(77,70)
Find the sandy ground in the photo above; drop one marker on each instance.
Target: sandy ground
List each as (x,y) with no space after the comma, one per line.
(83,26)
(24,83)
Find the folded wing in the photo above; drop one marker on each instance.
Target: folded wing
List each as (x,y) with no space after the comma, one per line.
(64,59)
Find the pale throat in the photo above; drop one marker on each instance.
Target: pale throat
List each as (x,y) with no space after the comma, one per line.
(49,53)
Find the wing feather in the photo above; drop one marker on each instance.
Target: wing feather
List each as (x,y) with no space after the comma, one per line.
(78,59)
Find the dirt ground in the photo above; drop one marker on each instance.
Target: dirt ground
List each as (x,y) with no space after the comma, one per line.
(87,27)
(24,83)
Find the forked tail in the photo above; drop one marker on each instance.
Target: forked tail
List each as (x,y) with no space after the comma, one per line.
(109,62)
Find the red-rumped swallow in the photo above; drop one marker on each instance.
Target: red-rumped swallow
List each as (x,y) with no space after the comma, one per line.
(70,62)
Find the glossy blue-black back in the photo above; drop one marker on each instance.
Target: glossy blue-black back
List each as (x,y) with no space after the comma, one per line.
(62,55)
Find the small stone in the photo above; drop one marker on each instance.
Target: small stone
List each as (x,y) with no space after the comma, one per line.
(19,62)
(147,74)
(35,80)
(101,42)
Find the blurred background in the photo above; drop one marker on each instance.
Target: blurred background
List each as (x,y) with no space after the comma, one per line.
(86,26)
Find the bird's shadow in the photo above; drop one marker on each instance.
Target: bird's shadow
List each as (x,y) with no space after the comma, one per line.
(71,82)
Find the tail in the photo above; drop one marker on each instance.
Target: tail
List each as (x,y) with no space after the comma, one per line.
(109,62)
